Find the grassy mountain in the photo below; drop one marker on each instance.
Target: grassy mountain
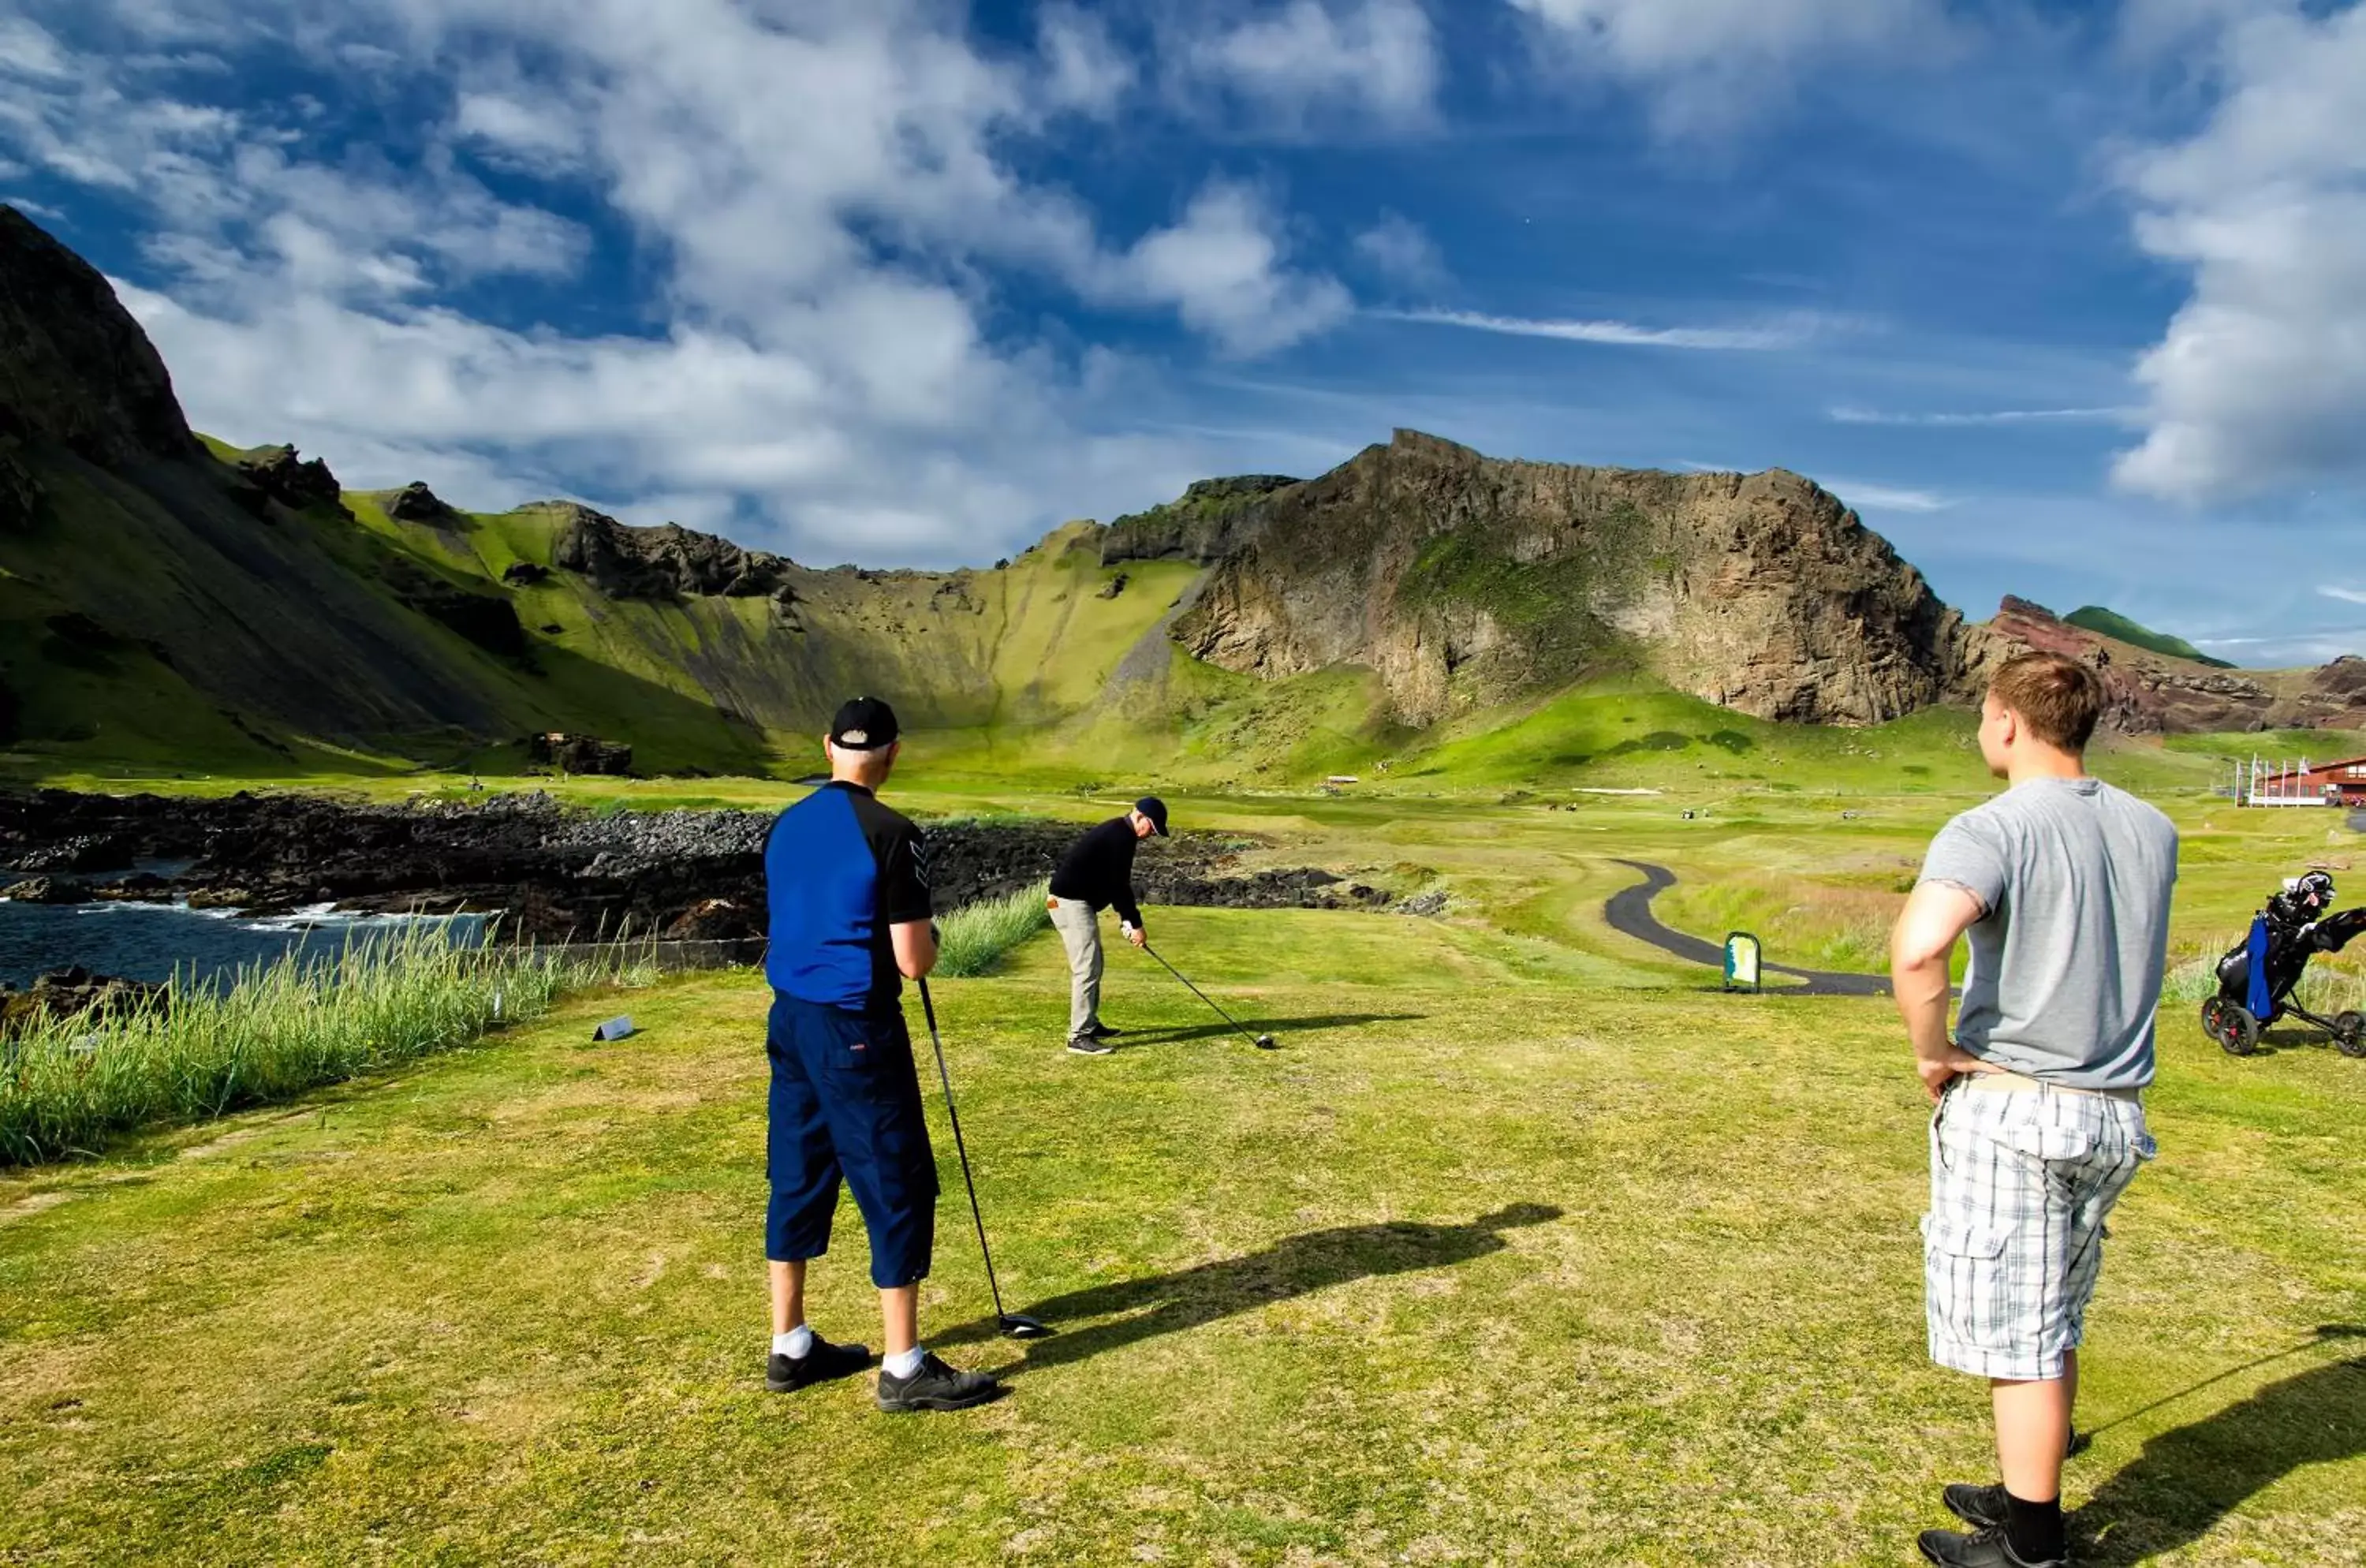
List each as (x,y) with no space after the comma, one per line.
(2119,628)
(168,603)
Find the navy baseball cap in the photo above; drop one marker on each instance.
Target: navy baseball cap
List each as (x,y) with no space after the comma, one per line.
(864,724)
(1150,805)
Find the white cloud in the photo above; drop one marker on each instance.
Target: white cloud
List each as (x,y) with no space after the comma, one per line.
(2259,383)
(2347,596)
(1887,498)
(1084,70)
(822,189)
(1851,415)
(1401,252)
(1705,63)
(1293,63)
(1222,267)
(1788,332)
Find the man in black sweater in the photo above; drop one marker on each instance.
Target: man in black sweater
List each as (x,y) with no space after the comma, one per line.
(1098,872)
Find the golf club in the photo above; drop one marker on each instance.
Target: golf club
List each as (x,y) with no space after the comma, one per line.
(1018,1326)
(1262,1042)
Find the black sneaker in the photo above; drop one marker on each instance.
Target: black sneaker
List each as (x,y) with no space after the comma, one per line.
(1103,1032)
(935,1386)
(1982,1548)
(1086,1046)
(1982,1507)
(824,1362)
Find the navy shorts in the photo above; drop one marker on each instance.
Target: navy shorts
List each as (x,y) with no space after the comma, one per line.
(846,1102)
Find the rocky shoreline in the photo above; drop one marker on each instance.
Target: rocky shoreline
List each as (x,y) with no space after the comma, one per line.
(552,872)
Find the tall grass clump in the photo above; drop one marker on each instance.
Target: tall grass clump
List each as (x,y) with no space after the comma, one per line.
(272,1032)
(974,938)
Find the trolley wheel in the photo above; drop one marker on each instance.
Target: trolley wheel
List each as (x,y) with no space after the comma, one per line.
(2350,1034)
(2232,1025)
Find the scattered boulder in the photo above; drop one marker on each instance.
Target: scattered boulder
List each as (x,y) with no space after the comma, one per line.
(47,890)
(525,574)
(1116,586)
(715,920)
(416,503)
(71,993)
(282,475)
(579,753)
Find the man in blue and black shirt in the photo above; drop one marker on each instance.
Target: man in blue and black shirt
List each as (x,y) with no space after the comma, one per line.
(852,919)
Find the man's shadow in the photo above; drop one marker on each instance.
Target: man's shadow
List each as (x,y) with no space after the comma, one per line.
(1168,1303)
(2185,1481)
(1161,1035)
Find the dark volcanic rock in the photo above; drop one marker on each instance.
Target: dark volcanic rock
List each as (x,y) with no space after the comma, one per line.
(70,993)
(46,890)
(665,562)
(284,476)
(558,875)
(83,852)
(1212,519)
(75,367)
(20,493)
(525,574)
(416,503)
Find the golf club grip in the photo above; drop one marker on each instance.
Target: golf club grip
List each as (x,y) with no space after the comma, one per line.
(952,1114)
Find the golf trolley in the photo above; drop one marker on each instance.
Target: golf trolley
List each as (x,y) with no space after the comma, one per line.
(2257,978)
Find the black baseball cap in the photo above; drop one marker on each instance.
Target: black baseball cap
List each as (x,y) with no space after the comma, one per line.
(1150,805)
(864,724)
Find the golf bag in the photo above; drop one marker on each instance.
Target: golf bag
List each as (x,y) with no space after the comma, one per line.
(2258,974)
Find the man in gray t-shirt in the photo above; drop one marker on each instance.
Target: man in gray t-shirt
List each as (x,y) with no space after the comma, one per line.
(2062,885)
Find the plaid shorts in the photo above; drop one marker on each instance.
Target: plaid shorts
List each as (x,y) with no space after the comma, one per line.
(2021,1183)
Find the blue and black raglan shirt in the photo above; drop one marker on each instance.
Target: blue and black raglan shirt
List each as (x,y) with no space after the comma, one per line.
(840,870)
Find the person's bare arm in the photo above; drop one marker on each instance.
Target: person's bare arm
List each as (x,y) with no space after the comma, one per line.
(1937,918)
(916,947)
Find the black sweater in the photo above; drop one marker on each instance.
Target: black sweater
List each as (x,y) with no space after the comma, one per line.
(1099,870)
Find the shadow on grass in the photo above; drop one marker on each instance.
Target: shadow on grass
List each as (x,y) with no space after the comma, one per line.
(1277,1027)
(1169,1303)
(2186,1480)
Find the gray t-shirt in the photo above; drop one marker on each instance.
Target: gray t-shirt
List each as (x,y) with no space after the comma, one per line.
(2074,878)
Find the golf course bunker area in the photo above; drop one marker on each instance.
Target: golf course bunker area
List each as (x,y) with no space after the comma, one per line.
(1480,1266)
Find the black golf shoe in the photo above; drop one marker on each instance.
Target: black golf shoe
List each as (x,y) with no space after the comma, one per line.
(1981,1548)
(935,1386)
(1982,1507)
(1086,1046)
(1103,1032)
(824,1362)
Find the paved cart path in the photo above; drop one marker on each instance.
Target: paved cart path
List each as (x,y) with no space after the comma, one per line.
(1629,914)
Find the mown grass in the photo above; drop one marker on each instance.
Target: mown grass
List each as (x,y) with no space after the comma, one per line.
(974,938)
(1485,1265)
(67,1084)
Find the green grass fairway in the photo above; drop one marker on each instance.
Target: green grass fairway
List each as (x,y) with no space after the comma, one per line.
(1519,1250)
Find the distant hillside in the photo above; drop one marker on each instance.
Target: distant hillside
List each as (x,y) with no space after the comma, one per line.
(167,604)
(2119,628)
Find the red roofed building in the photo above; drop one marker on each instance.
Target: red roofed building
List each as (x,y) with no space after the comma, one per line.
(2309,784)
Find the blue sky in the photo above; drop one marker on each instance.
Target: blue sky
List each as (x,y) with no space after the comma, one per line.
(2069,300)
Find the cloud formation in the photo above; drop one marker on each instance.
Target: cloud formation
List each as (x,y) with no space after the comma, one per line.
(1848,414)
(830,195)
(1308,59)
(2259,383)
(1788,332)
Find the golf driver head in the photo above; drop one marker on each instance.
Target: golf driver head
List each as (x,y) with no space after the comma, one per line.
(1265,1042)
(1019,1325)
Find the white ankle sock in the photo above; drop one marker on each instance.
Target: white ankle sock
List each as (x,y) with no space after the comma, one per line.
(796,1344)
(905,1365)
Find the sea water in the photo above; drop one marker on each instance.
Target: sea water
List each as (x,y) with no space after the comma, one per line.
(152,942)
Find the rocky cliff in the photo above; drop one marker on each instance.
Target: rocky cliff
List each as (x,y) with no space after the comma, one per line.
(1468,581)
(2153,694)
(1212,520)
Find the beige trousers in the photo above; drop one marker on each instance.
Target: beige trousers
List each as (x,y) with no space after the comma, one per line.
(1080,933)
